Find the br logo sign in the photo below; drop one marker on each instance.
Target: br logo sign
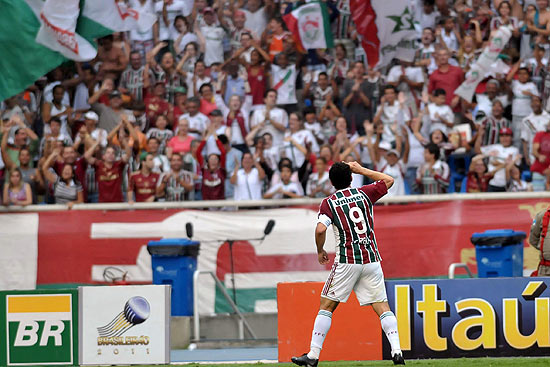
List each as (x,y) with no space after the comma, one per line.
(40,329)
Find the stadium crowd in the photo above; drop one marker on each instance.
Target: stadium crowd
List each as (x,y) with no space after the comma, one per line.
(216,101)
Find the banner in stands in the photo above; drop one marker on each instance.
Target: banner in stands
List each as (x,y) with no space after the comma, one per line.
(39,328)
(471,317)
(97,246)
(132,328)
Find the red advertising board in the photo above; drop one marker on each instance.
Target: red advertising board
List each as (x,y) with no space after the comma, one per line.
(424,238)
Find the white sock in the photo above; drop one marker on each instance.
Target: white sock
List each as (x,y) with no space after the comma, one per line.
(389,325)
(320,330)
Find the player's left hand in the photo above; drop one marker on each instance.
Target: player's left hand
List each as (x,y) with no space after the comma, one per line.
(322,257)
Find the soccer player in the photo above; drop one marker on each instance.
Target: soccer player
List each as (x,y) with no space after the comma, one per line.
(357,262)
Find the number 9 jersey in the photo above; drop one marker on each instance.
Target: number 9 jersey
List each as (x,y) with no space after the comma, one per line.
(350,211)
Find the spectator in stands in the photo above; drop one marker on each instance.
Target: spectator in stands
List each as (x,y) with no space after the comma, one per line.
(213,171)
(210,37)
(298,141)
(534,123)
(478,177)
(248,180)
(156,105)
(541,164)
(160,161)
(197,121)
(135,80)
(109,116)
(108,171)
(433,175)
(285,189)
(177,184)
(66,188)
(181,143)
(17,191)
(111,59)
(54,136)
(523,89)
(492,123)
(21,136)
(143,183)
(439,116)
(270,119)
(446,77)
(56,109)
(499,153)
(356,99)
(514,182)
(390,113)
(92,132)
(318,183)
(486,101)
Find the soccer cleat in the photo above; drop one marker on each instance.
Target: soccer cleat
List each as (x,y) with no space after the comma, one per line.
(303,360)
(397,358)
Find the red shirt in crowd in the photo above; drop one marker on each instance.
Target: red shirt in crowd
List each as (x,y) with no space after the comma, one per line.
(476,184)
(213,183)
(543,139)
(154,107)
(109,181)
(257,82)
(143,186)
(449,81)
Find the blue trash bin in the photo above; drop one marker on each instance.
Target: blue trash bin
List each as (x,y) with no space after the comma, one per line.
(174,261)
(499,253)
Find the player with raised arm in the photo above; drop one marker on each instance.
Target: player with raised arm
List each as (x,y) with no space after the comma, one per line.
(357,261)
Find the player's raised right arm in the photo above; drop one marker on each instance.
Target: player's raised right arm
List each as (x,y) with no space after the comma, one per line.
(373,175)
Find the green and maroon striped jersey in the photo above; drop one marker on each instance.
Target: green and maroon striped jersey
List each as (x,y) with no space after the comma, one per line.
(350,211)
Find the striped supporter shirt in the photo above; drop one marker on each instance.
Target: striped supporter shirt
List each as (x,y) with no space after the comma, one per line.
(350,211)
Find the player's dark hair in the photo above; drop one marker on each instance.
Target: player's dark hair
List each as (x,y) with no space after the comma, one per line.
(434,150)
(340,175)
(439,92)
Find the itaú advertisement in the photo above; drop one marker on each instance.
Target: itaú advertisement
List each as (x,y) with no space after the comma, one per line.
(125,325)
(471,317)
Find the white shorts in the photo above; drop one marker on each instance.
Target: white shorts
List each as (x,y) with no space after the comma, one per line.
(367,280)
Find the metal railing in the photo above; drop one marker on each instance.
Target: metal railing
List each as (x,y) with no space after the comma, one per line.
(196,317)
(454,266)
(276,202)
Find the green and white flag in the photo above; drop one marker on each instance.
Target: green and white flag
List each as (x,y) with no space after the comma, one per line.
(310,26)
(36,36)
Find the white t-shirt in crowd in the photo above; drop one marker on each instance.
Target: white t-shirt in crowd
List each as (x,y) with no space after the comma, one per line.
(530,126)
(392,114)
(167,31)
(486,105)
(147,7)
(284,80)
(442,111)
(213,48)
(499,154)
(257,21)
(198,122)
(277,114)
(397,171)
(521,104)
(248,185)
(302,137)
(291,186)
